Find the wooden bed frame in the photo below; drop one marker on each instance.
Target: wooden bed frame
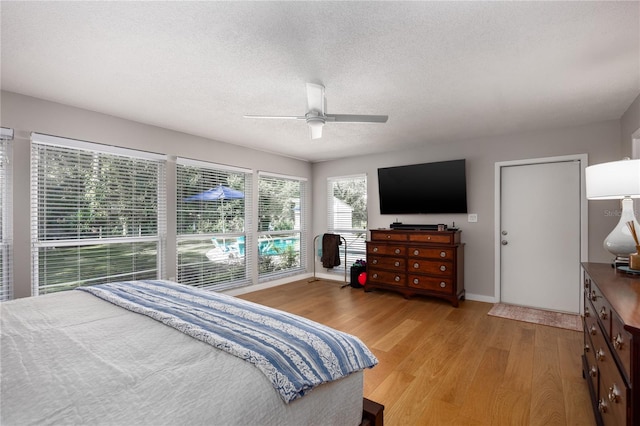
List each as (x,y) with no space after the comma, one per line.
(372,413)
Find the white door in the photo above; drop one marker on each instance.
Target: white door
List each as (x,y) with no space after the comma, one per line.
(540,235)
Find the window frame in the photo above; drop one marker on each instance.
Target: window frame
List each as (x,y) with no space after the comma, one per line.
(204,238)
(6,212)
(355,237)
(283,236)
(64,146)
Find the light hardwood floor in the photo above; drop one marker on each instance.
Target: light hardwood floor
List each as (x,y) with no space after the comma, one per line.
(441,365)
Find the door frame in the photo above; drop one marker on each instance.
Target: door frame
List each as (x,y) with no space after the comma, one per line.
(584,216)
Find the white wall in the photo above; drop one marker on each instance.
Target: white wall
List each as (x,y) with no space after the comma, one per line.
(630,125)
(601,141)
(25,115)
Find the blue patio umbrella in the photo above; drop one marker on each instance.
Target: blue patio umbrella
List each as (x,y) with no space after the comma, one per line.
(220,192)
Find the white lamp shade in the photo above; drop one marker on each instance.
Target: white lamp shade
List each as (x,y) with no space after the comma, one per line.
(613,180)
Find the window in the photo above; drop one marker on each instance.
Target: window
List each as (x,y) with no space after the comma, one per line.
(213,209)
(6,240)
(281,225)
(347,214)
(98,214)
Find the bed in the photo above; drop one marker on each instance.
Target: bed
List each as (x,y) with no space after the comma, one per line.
(78,358)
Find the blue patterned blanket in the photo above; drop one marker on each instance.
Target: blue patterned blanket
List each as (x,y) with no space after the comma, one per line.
(296,354)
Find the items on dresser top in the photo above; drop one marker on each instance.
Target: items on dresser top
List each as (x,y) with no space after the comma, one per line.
(611,358)
(411,262)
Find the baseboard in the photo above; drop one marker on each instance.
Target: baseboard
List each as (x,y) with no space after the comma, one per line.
(480,298)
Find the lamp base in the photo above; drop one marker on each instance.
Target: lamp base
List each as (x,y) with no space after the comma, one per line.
(620,242)
(620,261)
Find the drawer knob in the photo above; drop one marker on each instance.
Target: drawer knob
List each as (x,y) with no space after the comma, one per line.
(388,237)
(602,406)
(375,275)
(443,254)
(416,281)
(416,252)
(594,296)
(416,265)
(614,394)
(396,263)
(600,354)
(593,330)
(593,372)
(587,313)
(397,251)
(443,268)
(375,249)
(587,348)
(603,313)
(443,284)
(374,261)
(428,238)
(396,279)
(618,342)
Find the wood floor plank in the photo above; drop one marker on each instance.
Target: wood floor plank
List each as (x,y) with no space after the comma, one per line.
(547,403)
(519,373)
(440,365)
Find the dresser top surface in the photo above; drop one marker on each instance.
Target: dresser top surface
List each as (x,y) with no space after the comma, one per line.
(621,289)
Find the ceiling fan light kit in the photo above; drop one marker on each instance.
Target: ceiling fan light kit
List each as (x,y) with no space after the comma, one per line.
(316,117)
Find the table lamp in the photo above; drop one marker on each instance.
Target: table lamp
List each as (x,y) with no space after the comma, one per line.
(617,180)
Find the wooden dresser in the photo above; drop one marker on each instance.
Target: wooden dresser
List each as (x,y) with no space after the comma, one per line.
(429,263)
(611,358)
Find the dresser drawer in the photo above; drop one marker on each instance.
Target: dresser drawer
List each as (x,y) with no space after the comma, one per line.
(386,249)
(433,267)
(590,355)
(386,277)
(388,236)
(601,307)
(439,238)
(387,262)
(431,253)
(442,285)
(622,342)
(613,393)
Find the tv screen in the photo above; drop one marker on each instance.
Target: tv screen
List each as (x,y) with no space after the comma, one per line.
(439,187)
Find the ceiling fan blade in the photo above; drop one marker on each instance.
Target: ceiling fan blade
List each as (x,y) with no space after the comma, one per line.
(282,117)
(351,118)
(316,132)
(315,98)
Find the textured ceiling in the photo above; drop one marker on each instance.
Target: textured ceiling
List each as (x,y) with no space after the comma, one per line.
(442,71)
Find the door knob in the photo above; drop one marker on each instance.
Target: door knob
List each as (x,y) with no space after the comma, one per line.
(504,242)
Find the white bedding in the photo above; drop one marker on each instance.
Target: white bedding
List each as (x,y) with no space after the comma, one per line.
(73,358)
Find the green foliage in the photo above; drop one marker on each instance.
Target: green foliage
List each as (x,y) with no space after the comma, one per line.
(354,193)
(208,217)
(277,203)
(92,195)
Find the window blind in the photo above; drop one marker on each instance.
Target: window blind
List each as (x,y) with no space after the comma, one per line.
(347,214)
(282,225)
(213,214)
(98,214)
(6,209)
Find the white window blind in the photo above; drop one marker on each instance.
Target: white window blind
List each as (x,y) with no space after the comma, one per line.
(98,214)
(6,222)
(347,214)
(282,226)
(213,214)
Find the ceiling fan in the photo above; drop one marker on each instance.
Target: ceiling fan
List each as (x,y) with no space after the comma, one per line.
(316,116)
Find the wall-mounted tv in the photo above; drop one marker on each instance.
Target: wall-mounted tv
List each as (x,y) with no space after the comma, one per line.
(439,187)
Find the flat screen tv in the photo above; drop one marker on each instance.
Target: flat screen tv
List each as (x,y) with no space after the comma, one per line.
(439,187)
